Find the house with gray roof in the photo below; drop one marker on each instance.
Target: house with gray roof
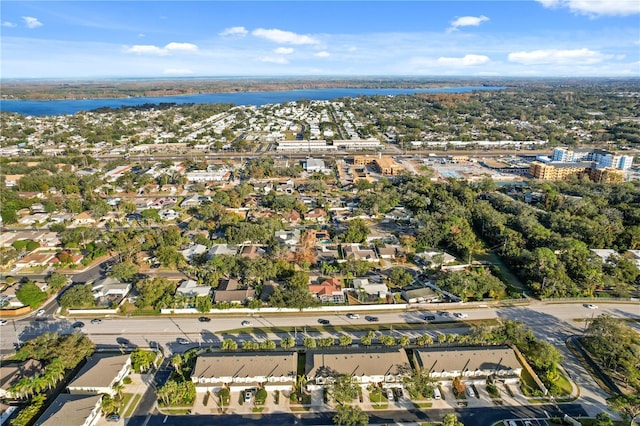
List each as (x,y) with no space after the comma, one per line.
(68,410)
(10,374)
(190,288)
(238,371)
(109,286)
(100,373)
(474,364)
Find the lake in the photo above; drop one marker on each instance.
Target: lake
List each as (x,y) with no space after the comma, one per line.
(62,107)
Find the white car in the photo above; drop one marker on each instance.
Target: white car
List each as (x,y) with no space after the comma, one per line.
(40,312)
(390,394)
(353,316)
(470,392)
(3,322)
(591,306)
(460,315)
(246,323)
(182,341)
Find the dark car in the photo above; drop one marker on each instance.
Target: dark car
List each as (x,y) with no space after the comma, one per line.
(204,319)
(429,317)
(123,341)
(78,324)
(323,321)
(372,319)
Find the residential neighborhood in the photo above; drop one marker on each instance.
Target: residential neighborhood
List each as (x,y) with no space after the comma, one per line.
(297,259)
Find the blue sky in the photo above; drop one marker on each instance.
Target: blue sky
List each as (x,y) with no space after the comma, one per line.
(537,38)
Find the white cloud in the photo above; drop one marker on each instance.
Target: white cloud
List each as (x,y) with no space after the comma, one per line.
(234,31)
(31,22)
(322,54)
(274,59)
(146,49)
(468,21)
(284,50)
(177,71)
(149,49)
(465,61)
(582,56)
(9,24)
(596,7)
(284,37)
(183,47)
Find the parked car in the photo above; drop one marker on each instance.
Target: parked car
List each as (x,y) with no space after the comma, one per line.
(470,392)
(323,321)
(436,393)
(182,341)
(353,316)
(204,319)
(246,323)
(372,319)
(113,417)
(96,321)
(460,315)
(248,394)
(429,317)
(390,394)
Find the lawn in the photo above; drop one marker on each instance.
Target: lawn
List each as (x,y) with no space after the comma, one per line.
(126,397)
(132,407)
(527,384)
(563,383)
(378,399)
(357,327)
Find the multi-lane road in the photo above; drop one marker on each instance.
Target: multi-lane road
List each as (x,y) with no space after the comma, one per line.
(552,322)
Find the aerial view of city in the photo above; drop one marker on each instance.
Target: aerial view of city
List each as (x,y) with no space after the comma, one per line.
(320,213)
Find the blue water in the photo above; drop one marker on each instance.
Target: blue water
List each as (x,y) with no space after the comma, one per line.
(239,98)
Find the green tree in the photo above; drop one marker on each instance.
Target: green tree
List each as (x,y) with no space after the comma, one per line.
(345,340)
(419,384)
(343,389)
(451,420)
(627,405)
(124,271)
(309,342)
(229,345)
(30,295)
(357,231)
(78,296)
(56,281)
(348,415)
(399,277)
(287,343)
(204,304)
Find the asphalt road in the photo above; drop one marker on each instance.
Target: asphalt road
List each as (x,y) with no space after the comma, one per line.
(468,416)
(551,322)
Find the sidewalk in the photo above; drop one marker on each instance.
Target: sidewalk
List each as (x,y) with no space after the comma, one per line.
(137,387)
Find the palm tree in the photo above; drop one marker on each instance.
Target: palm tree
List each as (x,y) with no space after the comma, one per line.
(118,387)
(176,361)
